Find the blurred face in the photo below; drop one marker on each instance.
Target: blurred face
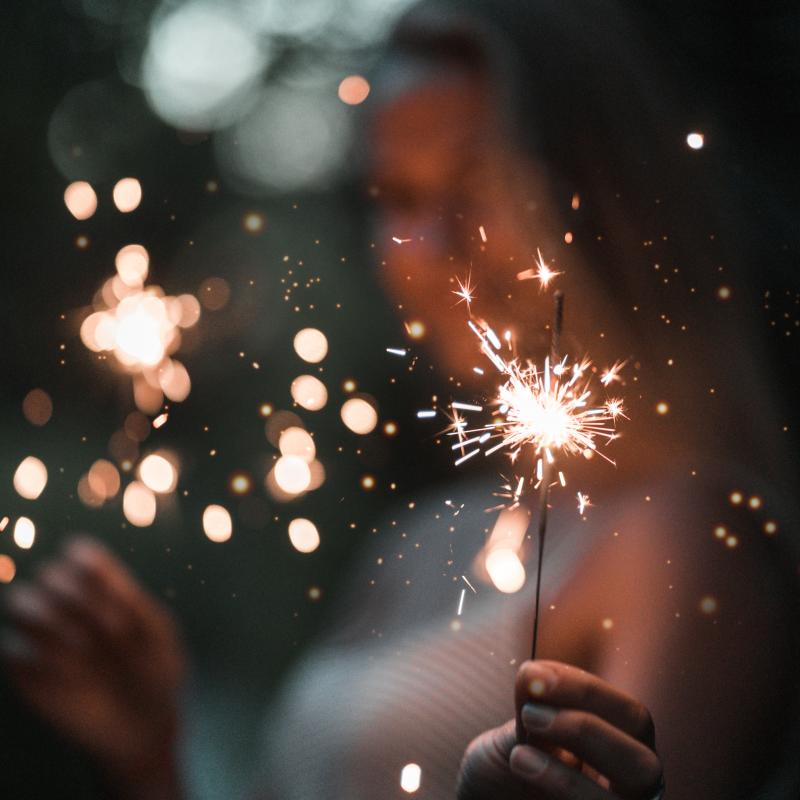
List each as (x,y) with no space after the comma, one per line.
(442,168)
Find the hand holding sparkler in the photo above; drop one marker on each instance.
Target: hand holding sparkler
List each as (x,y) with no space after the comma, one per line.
(586,741)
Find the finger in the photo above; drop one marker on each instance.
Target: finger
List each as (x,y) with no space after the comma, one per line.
(32,612)
(552,779)
(109,577)
(569,687)
(82,604)
(633,768)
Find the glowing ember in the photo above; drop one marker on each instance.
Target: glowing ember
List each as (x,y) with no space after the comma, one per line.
(217,523)
(303,535)
(30,478)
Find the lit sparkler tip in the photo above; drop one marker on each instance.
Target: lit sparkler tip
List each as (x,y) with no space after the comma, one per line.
(426,413)
(397,351)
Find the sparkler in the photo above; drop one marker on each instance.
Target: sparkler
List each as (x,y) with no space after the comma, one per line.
(548,409)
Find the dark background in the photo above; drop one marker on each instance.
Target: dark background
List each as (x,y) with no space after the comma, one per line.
(244,605)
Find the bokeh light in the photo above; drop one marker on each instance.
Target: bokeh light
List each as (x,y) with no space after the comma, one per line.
(80,200)
(158,473)
(309,392)
(311,345)
(214,293)
(277,423)
(132,263)
(103,479)
(87,495)
(201,65)
(297,442)
(505,569)
(353,90)
(174,380)
(30,478)
(217,523)
(37,407)
(303,535)
(127,195)
(7,569)
(24,533)
(139,504)
(695,140)
(292,474)
(293,138)
(359,415)
(240,483)
(411,778)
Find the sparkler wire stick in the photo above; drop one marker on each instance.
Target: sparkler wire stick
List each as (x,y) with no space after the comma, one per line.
(544,489)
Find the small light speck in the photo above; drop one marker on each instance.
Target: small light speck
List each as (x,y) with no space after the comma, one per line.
(695,140)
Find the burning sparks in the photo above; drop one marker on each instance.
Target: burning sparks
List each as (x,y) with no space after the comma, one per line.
(611,374)
(466,290)
(549,409)
(542,273)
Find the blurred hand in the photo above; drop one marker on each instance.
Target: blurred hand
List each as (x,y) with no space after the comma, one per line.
(100,660)
(575,738)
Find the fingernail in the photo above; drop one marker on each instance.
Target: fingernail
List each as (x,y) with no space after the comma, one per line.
(526,761)
(542,681)
(536,717)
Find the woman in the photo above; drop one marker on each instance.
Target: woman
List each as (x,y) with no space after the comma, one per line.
(530,123)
